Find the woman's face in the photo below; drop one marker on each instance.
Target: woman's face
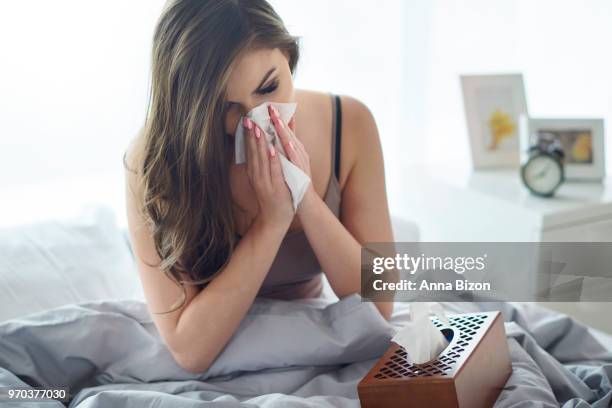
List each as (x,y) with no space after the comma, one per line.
(257,76)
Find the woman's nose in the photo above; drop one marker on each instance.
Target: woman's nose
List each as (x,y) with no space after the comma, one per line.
(242,108)
(232,120)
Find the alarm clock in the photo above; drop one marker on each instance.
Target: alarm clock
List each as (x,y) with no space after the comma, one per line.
(543,171)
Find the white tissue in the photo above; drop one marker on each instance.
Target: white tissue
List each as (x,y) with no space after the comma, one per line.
(296,179)
(422,340)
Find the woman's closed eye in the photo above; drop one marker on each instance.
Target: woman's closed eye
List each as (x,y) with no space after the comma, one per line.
(268,89)
(231,113)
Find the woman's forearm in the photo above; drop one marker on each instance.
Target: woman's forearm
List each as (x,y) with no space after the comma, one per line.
(338,252)
(212,317)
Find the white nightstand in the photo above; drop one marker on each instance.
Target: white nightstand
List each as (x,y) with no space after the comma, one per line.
(458,204)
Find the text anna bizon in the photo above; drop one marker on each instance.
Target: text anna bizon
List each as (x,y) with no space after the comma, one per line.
(424,285)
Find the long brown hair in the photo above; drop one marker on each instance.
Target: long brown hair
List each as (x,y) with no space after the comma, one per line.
(184,180)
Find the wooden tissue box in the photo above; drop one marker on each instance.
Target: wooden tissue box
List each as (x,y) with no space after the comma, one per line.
(469,373)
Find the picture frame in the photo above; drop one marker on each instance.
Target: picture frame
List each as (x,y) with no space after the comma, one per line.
(493,106)
(581,139)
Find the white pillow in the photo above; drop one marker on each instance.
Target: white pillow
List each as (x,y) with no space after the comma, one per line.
(57,262)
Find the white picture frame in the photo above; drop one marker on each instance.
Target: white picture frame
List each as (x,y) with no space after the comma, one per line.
(493,106)
(581,139)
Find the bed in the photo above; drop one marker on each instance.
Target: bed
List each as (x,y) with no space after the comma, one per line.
(101,343)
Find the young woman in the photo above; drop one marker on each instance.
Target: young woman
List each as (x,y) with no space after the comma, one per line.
(209,235)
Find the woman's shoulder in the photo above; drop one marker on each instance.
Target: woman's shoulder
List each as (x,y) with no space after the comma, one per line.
(314,106)
(358,127)
(356,115)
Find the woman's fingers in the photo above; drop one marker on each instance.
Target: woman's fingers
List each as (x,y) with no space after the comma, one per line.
(264,161)
(284,133)
(294,148)
(258,155)
(251,146)
(291,125)
(276,172)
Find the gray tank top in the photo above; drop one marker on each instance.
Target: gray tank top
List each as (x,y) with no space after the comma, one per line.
(296,272)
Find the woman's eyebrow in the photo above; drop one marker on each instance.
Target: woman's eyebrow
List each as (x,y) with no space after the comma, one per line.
(265,78)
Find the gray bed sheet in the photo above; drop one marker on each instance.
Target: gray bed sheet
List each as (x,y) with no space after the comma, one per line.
(284,354)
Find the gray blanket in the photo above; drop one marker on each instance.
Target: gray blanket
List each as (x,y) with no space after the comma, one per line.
(284,354)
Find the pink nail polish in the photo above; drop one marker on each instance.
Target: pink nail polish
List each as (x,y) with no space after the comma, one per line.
(291,145)
(246,122)
(257,133)
(272,151)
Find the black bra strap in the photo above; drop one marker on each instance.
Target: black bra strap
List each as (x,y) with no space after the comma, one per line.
(338,133)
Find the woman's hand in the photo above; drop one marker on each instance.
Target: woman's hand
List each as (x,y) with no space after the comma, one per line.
(296,153)
(266,177)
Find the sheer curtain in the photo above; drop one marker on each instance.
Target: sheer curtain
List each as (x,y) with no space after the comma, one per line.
(74,80)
